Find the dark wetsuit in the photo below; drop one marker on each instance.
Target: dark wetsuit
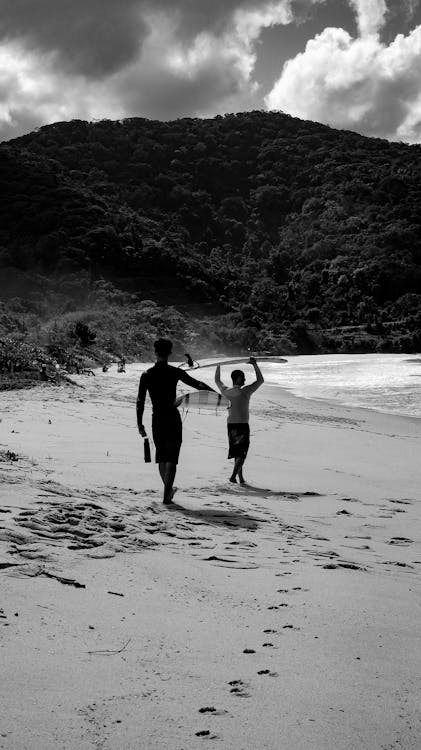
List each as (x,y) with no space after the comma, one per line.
(160,381)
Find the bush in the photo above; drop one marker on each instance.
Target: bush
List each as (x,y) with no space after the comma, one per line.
(84,334)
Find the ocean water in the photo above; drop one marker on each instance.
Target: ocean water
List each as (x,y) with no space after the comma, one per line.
(388,383)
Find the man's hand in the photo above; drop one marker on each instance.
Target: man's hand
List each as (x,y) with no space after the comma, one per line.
(253,361)
(142,431)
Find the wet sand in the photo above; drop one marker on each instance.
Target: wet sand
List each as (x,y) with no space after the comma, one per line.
(279,614)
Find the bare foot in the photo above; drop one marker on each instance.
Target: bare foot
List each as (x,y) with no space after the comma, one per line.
(233,480)
(169,500)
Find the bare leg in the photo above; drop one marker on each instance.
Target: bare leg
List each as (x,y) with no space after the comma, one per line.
(161,467)
(238,469)
(167,472)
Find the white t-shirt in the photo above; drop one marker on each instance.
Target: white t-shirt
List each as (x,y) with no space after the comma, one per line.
(239,398)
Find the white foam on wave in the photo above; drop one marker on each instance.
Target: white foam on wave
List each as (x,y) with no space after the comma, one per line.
(388,383)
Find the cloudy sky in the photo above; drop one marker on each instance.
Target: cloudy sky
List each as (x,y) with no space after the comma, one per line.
(352,64)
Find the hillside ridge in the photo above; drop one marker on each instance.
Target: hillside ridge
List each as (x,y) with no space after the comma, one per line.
(296,236)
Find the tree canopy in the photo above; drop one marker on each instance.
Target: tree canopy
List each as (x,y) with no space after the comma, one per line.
(293,230)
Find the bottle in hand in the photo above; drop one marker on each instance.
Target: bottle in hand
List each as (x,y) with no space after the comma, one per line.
(147,451)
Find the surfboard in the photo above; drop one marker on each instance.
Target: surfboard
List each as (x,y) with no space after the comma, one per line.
(237,361)
(186,366)
(202,400)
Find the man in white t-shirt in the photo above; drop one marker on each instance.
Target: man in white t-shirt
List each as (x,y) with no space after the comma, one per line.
(238,415)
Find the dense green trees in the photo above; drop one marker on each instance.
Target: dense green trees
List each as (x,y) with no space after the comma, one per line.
(291,229)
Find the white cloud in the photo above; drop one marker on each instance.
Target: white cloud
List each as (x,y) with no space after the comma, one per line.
(34,91)
(370,15)
(183,62)
(170,58)
(359,84)
(201,76)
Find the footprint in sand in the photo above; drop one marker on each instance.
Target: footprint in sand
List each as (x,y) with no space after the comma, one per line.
(84,526)
(239,688)
(212,710)
(267,672)
(400,541)
(350,566)
(320,538)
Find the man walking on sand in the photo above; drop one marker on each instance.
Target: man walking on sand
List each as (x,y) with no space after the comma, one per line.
(160,381)
(238,415)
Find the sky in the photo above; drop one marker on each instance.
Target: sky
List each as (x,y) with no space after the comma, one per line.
(353,64)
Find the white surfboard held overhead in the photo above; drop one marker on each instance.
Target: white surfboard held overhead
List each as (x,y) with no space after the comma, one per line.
(236,361)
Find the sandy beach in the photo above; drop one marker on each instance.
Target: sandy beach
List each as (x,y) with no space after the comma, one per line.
(279,615)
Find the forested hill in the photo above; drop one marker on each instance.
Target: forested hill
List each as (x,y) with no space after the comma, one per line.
(299,235)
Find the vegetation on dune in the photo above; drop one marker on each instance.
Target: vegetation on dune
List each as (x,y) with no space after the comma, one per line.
(254,230)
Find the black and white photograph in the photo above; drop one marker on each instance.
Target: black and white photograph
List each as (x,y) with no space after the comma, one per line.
(210,374)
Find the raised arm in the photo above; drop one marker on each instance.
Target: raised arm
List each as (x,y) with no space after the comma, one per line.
(188,380)
(218,380)
(140,404)
(259,377)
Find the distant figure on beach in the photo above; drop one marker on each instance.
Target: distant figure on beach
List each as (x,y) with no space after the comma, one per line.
(121,367)
(238,415)
(105,368)
(190,363)
(160,381)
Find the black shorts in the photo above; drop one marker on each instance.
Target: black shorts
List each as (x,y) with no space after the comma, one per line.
(239,439)
(167,431)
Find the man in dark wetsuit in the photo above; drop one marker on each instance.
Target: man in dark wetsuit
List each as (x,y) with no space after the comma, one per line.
(160,381)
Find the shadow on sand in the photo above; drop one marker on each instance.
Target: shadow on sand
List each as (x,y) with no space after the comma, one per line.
(218,517)
(265,492)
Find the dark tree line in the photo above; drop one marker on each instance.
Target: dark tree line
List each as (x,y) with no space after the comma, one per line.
(295,231)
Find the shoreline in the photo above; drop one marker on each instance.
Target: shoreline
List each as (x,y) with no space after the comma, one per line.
(359,410)
(293,596)
(289,358)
